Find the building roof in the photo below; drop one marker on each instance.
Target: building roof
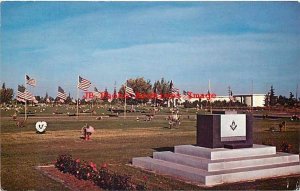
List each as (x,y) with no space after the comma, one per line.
(249,95)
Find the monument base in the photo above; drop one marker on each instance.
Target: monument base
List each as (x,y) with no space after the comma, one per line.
(210,167)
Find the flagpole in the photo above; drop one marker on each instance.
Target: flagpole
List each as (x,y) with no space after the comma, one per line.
(77,99)
(33,95)
(155,99)
(209,96)
(25,100)
(251,108)
(125,99)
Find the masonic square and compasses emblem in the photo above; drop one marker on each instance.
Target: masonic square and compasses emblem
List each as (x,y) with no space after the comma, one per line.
(233,126)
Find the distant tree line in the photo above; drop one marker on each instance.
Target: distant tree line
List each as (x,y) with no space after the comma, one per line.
(272,100)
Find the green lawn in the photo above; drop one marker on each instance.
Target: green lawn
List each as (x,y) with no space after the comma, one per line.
(116,141)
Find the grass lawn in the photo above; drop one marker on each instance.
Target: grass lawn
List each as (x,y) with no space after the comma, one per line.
(115,142)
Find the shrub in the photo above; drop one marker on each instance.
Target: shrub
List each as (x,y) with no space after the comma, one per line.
(101,177)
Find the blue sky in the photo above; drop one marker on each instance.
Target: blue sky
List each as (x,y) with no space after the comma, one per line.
(230,43)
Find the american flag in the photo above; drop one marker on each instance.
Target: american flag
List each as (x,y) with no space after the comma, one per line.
(129,91)
(34,100)
(83,84)
(87,99)
(20,99)
(97,94)
(30,81)
(61,93)
(185,95)
(172,89)
(24,94)
(159,97)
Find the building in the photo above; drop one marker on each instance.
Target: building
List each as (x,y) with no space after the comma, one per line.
(251,100)
(221,98)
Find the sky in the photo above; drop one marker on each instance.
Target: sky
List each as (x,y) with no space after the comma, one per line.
(191,43)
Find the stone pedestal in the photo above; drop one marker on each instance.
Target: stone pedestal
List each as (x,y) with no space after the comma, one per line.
(209,132)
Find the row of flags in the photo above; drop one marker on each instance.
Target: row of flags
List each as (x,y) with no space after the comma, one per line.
(23,94)
(83,84)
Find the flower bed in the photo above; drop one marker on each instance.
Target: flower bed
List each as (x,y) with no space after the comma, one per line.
(101,177)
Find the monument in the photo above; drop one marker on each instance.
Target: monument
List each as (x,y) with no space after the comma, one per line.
(229,130)
(224,153)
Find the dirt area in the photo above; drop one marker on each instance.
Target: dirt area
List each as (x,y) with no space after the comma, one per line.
(68,180)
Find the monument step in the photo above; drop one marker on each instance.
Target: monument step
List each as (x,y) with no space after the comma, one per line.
(218,165)
(172,169)
(252,173)
(223,153)
(217,177)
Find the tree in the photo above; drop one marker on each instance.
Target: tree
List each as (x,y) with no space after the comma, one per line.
(272,97)
(162,87)
(282,100)
(140,86)
(69,99)
(6,94)
(115,93)
(105,95)
(165,86)
(291,101)
(46,97)
(51,99)
(267,99)
(38,98)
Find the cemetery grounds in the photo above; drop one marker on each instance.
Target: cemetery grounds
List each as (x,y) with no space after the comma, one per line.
(115,142)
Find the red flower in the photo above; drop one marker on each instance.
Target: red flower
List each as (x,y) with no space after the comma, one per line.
(104,165)
(88,174)
(78,160)
(145,178)
(92,164)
